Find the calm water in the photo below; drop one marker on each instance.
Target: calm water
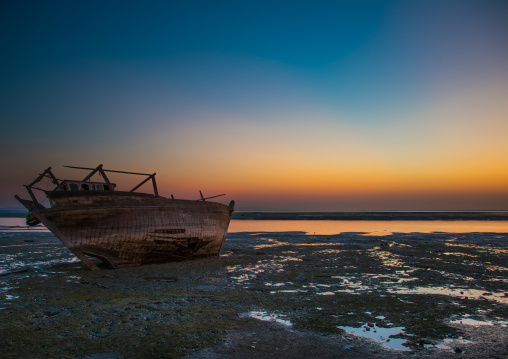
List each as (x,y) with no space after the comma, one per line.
(324,227)
(376,228)
(8,224)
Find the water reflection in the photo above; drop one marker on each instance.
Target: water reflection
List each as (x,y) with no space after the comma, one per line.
(376,228)
(380,334)
(263,315)
(246,273)
(8,224)
(470,321)
(386,258)
(455,292)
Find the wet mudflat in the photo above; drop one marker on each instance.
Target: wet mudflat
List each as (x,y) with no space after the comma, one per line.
(283,294)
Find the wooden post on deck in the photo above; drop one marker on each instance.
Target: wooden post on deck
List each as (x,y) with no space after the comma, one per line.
(155,192)
(152,176)
(103,174)
(99,168)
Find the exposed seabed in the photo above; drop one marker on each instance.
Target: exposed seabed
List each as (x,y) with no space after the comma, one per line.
(287,294)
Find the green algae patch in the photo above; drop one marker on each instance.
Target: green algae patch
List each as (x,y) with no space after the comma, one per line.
(78,321)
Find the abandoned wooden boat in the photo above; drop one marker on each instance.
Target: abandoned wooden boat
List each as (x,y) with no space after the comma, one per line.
(127,228)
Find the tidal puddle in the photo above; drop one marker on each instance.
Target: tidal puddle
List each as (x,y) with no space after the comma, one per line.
(73,279)
(387,259)
(288,291)
(458,254)
(467,320)
(262,315)
(38,266)
(272,243)
(380,334)
(479,249)
(248,273)
(5,293)
(455,292)
(276,284)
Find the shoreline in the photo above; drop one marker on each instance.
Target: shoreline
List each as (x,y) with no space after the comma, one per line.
(342,215)
(378,216)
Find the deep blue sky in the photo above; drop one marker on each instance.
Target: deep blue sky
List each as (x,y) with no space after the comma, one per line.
(291,32)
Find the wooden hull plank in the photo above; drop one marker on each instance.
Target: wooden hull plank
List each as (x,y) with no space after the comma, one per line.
(37,213)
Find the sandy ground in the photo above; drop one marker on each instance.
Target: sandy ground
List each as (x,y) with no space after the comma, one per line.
(284,295)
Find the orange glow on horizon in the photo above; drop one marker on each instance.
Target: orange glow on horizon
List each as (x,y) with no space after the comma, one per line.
(325,181)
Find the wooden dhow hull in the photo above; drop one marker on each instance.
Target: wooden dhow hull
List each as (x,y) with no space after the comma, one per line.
(129,229)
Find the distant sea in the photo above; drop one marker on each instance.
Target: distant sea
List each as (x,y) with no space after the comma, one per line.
(325,223)
(342,216)
(13,212)
(377,216)
(371,223)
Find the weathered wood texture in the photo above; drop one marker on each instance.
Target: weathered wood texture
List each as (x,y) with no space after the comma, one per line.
(36,212)
(128,229)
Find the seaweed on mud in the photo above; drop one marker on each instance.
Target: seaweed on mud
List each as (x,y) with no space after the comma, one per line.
(130,324)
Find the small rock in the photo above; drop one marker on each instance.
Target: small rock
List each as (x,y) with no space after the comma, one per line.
(50,312)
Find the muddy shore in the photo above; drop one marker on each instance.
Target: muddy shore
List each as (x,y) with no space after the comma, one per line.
(284,295)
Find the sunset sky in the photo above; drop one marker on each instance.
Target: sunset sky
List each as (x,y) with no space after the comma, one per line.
(282,105)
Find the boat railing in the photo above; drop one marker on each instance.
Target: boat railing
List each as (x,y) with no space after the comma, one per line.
(99,169)
(60,184)
(46,174)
